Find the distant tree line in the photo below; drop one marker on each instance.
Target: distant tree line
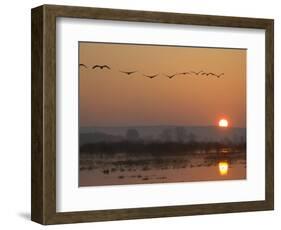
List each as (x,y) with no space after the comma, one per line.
(178,134)
(158,147)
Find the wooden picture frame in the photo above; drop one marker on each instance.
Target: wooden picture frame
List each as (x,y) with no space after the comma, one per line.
(43,208)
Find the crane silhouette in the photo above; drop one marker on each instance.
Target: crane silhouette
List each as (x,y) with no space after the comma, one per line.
(150,76)
(83,65)
(213,74)
(184,73)
(170,76)
(218,76)
(101,67)
(128,72)
(196,73)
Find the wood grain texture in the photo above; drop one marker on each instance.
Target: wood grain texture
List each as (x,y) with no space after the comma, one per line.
(37,116)
(269,116)
(44,114)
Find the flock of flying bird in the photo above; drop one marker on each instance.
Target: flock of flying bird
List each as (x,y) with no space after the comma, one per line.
(199,73)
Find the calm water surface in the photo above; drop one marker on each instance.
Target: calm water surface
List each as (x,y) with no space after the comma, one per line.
(101,169)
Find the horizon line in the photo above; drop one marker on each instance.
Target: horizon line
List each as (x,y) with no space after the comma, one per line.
(132,126)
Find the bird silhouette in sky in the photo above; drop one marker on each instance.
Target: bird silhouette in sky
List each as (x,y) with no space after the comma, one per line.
(213,74)
(128,72)
(218,76)
(184,73)
(170,76)
(197,73)
(83,65)
(101,67)
(150,76)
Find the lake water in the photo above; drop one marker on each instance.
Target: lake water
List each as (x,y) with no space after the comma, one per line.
(123,168)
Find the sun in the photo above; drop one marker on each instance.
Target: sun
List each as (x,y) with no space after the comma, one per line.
(223,123)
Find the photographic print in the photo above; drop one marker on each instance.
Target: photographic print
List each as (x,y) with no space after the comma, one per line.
(161,114)
(140,102)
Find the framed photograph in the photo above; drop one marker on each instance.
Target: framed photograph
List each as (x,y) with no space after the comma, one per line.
(140,114)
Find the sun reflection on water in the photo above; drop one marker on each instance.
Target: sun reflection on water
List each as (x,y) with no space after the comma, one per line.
(223,168)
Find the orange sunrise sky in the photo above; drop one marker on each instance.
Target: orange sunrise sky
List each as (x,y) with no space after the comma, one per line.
(111,98)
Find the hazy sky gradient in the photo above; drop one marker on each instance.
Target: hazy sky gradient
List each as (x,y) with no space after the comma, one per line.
(110,98)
